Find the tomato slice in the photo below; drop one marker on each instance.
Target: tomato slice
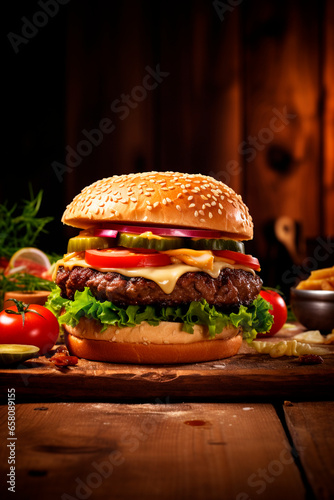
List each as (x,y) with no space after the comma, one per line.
(124,258)
(239,258)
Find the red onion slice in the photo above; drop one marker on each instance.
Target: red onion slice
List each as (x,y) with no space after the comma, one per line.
(111,231)
(105,233)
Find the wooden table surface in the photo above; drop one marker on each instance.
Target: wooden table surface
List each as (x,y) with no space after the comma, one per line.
(106,431)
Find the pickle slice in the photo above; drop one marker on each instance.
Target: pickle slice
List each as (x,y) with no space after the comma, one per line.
(217,244)
(81,243)
(16,353)
(150,241)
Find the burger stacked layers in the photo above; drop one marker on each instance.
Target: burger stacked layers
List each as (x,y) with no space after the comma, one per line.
(158,273)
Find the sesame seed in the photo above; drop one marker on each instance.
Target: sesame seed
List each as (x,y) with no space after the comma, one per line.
(192,205)
(210,215)
(178,208)
(202,220)
(190,197)
(219,211)
(155,204)
(133,199)
(164,202)
(196,214)
(201,212)
(169,200)
(149,207)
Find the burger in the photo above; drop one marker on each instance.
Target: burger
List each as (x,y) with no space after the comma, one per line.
(158,273)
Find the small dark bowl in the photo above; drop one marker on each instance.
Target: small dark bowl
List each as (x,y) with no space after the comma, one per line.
(314,309)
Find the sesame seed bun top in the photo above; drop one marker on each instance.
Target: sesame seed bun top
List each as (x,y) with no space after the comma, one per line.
(161,198)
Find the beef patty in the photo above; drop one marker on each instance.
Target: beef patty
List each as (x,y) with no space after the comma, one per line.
(232,288)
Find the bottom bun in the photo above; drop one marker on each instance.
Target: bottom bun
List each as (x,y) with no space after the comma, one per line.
(225,345)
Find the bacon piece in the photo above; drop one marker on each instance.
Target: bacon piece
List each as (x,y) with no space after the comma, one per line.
(62,358)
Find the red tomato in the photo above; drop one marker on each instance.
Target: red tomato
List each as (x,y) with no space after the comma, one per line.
(239,258)
(279,311)
(31,325)
(121,257)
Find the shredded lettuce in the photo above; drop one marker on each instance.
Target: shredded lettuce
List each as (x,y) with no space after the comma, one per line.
(253,319)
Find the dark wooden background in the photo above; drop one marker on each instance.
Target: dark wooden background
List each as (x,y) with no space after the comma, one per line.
(249,99)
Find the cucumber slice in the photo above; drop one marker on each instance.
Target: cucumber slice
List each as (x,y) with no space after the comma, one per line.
(217,244)
(16,353)
(150,241)
(81,243)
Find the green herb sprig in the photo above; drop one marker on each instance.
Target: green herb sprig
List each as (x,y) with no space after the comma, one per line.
(19,224)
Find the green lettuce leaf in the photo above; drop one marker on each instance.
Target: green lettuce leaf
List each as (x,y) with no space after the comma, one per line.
(252,320)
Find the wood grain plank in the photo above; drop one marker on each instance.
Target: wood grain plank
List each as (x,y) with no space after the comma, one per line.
(328,78)
(282,143)
(311,428)
(182,451)
(246,375)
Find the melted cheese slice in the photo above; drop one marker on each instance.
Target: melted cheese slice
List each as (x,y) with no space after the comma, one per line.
(164,276)
(198,258)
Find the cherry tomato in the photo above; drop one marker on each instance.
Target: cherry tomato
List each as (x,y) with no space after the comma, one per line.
(123,258)
(279,311)
(239,258)
(31,324)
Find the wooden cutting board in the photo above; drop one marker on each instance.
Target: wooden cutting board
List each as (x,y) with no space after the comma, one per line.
(245,376)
